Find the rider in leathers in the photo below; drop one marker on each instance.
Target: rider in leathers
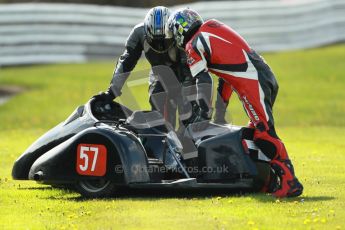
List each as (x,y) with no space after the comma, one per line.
(214,47)
(149,36)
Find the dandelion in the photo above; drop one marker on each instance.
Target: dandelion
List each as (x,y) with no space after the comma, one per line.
(323,220)
(250,222)
(306,221)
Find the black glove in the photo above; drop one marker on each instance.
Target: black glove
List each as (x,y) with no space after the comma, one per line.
(188,121)
(198,116)
(201,116)
(107,96)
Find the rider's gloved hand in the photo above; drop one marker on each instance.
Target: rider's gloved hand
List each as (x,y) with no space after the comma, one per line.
(188,121)
(106,96)
(201,116)
(201,122)
(199,119)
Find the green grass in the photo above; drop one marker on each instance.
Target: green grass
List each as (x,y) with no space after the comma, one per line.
(309,118)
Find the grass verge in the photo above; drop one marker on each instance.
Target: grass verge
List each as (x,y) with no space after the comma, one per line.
(309,118)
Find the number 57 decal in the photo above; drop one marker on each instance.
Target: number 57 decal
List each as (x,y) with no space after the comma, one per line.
(91,159)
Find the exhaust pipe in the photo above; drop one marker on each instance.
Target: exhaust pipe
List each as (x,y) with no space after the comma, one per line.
(38,176)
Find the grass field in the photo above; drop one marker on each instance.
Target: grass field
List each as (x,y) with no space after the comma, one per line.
(309,118)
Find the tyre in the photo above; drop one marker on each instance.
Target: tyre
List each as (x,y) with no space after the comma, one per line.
(95,188)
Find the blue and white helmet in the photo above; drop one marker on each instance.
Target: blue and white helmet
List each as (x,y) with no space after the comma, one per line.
(154,24)
(183,24)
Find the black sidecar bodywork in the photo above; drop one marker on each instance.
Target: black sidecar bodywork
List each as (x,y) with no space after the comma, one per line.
(102,147)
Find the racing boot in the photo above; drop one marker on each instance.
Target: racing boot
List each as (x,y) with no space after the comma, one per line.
(283,181)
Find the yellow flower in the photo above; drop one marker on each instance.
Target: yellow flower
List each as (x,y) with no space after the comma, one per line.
(250,222)
(306,221)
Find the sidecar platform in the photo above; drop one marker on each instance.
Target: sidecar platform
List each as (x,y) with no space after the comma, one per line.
(189,183)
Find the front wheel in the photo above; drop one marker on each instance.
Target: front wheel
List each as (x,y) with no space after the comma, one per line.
(95,188)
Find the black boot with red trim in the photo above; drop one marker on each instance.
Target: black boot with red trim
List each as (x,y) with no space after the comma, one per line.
(283,181)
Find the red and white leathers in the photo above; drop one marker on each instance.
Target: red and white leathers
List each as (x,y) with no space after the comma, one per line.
(217,48)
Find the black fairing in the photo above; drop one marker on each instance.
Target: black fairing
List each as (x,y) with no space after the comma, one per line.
(134,146)
(49,140)
(224,154)
(154,145)
(59,164)
(81,119)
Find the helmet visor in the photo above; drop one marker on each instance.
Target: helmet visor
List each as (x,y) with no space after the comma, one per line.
(159,43)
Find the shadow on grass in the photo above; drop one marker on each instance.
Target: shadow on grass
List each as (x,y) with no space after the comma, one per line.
(193,194)
(150,194)
(301,199)
(36,188)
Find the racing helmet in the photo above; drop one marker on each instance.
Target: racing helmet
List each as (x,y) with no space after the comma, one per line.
(183,24)
(154,25)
